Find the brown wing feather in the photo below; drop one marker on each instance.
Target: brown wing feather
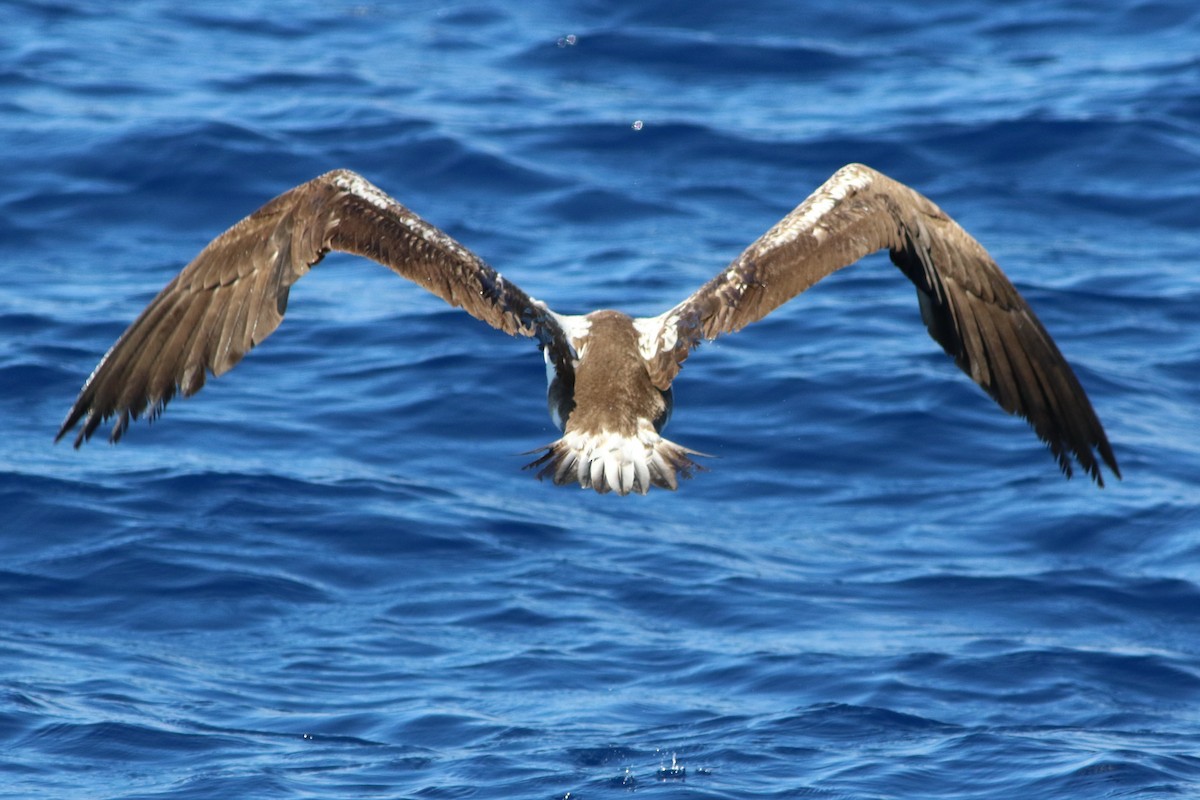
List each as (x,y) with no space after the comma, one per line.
(234,294)
(967,303)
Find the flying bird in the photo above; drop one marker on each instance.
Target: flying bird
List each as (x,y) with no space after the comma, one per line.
(609,374)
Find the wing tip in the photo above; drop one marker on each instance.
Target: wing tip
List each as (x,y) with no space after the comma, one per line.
(76,414)
(1085,456)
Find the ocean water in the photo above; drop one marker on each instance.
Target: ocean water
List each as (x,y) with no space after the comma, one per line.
(326,575)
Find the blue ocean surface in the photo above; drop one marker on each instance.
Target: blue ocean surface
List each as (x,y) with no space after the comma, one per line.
(327,576)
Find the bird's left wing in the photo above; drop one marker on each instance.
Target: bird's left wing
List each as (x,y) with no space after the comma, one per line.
(234,294)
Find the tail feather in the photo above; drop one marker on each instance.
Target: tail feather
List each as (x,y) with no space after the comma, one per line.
(609,462)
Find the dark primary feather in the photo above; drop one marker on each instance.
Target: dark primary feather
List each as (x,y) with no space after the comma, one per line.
(970,308)
(234,294)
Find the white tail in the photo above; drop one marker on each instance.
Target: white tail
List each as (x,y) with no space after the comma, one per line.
(609,462)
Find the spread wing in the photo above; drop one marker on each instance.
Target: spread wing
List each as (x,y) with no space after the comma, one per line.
(967,303)
(234,294)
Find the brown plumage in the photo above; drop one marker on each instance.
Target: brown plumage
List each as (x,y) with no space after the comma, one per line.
(610,375)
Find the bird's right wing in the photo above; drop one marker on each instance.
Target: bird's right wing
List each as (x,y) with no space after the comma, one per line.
(969,306)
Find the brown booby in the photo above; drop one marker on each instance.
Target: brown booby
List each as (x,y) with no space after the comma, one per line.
(609,374)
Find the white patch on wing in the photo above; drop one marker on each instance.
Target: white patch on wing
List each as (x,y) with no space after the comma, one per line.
(576,328)
(845,181)
(359,186)
(656,334)
(550,370)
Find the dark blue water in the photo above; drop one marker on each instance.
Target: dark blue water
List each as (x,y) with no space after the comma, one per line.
(326,576)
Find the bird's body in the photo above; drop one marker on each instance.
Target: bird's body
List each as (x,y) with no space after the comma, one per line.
(609,374)
(612,417)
